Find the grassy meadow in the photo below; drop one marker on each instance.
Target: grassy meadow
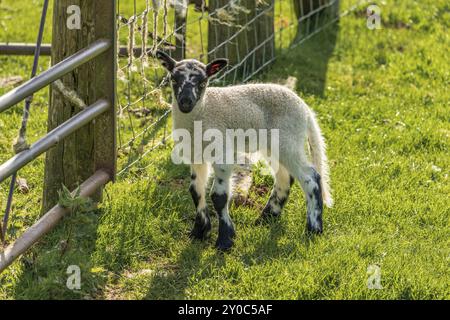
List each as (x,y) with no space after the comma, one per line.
(383,103)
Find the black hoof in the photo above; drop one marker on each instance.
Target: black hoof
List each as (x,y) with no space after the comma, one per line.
(201,231)
(224,245)
(265,219)
(315,228)
(226,235)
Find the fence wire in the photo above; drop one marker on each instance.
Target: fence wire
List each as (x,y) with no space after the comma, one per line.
(250,33)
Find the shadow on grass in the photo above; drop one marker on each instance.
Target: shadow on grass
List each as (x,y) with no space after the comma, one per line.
(308,62)
(266,247)
(272,245)
(188,264)
(312,65)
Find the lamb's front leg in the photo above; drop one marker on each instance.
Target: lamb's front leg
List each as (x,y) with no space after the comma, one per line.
(199,179)
(220,195)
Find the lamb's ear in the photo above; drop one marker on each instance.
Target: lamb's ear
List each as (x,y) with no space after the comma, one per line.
(165,60)
(215,66)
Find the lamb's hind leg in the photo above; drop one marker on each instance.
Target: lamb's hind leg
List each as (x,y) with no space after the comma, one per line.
(313,190)
(279,195)
(310,181)
(199,179)
(220,195)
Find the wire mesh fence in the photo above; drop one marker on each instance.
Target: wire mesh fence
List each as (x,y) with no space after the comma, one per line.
(250,33)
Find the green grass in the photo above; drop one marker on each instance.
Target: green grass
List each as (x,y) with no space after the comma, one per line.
(382,101)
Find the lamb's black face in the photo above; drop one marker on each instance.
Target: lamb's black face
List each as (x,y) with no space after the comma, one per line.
(189,78)
(189,81)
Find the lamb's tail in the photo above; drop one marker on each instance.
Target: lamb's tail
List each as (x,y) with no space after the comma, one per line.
(319,157)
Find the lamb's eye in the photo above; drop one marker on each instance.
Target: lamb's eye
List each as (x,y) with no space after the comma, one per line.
(203,84)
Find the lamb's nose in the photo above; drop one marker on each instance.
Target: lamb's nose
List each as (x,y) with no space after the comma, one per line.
(185,101)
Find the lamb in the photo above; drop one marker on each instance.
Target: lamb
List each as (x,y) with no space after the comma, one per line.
(257,106)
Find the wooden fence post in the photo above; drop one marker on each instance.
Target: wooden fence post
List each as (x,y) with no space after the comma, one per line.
(180,20)
(265,31)
(215,34)
(219,33)
(93,147)
(305,7)
(250,34)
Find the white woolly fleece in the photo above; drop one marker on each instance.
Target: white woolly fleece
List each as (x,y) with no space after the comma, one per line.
(264,106)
